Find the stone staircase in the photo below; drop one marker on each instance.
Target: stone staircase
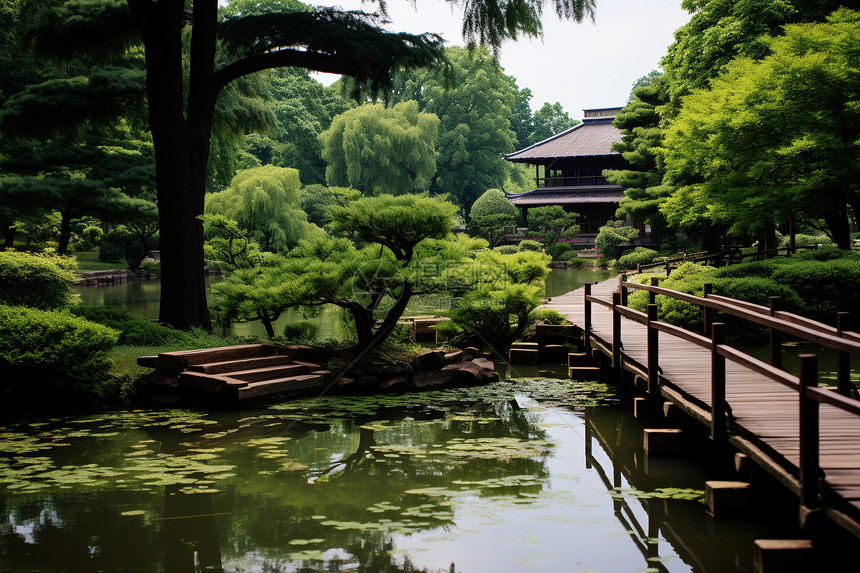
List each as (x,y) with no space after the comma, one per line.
(238,372)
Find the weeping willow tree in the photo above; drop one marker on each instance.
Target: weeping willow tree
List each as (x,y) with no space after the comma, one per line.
(184,79)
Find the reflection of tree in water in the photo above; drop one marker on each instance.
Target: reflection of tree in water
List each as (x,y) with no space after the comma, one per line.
(340,491)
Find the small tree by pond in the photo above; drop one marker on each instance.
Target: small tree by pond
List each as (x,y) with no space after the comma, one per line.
(490,214)
(552,223)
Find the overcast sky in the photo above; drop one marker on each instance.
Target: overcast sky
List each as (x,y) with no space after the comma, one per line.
(583,66)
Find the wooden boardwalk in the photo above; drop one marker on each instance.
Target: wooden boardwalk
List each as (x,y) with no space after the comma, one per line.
(762,404)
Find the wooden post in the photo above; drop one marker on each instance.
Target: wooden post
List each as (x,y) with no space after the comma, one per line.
(718,383)
(809,471)
(616,331)
(623,289)
(843,359)
(587,318)
(775,335)
(652,296)
(653,354)
(709,312)
(587,441)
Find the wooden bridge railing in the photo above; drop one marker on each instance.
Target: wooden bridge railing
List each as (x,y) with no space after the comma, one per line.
(806,484)
(730,256)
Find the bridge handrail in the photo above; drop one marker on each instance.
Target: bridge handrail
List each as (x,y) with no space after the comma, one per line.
(819,334)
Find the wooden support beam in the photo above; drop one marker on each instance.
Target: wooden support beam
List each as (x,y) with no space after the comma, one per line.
(843,372)
(652,350)
(775,335)
(809,434)
(709,312)
(718,383)
(728,498)
(784,556)
(587,316)
(659,441)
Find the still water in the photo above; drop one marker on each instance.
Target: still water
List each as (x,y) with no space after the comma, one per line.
(141,298)
(529,474)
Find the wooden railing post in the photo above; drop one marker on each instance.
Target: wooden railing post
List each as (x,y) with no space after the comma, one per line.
(775,335)
(709,312)
(809,471)
(623,289)
(843,359)
(652,296)
(653,351)
(587,318)
(718,383)
(616,330)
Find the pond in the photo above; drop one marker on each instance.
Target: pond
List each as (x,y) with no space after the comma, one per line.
(141,298)
(532,474)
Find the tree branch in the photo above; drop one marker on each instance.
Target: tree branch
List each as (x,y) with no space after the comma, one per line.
(285,58)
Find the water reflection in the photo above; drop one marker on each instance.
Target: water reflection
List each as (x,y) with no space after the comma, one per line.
(532,474)
(141,298)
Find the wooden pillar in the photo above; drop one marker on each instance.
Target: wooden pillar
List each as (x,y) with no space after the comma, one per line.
(809,470)
(616,331)
(653,351)
(623,289)
(709,312)
(587,318)
(652,296)
(718,383)
(775,335)
(843,374)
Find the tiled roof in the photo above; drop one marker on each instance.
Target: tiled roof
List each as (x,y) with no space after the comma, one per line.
(567,197)
(585,139)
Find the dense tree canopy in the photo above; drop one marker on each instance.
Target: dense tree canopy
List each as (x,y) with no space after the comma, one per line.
(265,200)
(490,214)
(381,150)
(774,138)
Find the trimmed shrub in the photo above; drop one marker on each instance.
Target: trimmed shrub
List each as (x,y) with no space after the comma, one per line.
(806,240)
(547,316)
(529,245)
(506,249)
(36,281)
(52,356)
(300,332)
(133,331)
(560,251)
(614,233)
(826,287)
(638,256)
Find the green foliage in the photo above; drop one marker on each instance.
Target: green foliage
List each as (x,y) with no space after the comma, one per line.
(129,243)
(801,240)
(508,249)
(51,356)
(496,310)
(638,256)
(265,201)
(548,316)
(549,120)
(475,103)
(381,150)
(302,332)
(612,234)
(316,200)
(560,251)
(132,330)
(490,214)
(745,151)
(37,281)
(396,222)
(529,245)
(552,223)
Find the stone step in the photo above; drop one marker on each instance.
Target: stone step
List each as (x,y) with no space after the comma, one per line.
(208,382)
(241,364)
(288,384)
(523,355)
(592,373)
(268,373)
(179,360)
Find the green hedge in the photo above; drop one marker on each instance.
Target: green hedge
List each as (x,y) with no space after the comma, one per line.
(133,331)
(51,357)
(35,281)
(638,256)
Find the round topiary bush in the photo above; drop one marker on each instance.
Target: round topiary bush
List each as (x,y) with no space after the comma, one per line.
(35,281)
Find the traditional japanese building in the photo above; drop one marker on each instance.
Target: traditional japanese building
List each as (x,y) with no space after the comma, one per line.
(569,167)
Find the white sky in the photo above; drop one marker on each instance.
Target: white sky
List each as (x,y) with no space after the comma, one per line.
(582,66)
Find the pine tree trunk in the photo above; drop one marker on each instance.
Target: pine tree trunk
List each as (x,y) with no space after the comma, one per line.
(9,237)
(181,146)
(65,232)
